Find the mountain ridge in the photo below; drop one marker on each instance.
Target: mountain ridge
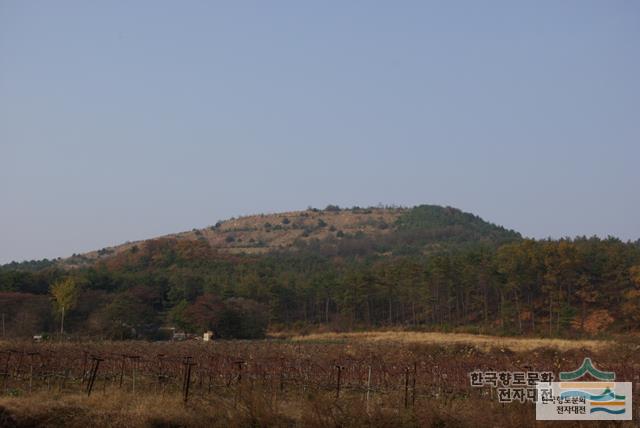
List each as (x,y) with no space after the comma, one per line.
(422,267)
(262,233)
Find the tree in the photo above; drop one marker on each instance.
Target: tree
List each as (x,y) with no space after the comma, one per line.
(128,316)
(631,305)
(65,294)
(242,319)
(24,314)
(205,312)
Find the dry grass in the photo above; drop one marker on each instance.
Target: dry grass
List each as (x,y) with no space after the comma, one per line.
(482,342)
(117,410)
(127,410)
(248,230)
(253,228)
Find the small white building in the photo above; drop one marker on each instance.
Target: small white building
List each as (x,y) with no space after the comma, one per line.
(207,336)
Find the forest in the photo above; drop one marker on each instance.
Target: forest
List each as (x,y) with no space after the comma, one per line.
(437,269)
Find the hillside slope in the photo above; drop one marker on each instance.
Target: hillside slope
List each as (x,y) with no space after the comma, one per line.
(424,267)
(417,229)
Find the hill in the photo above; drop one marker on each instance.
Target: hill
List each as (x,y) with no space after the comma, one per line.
(418,229)
(426,267)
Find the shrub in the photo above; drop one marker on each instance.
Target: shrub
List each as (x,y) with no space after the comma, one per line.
(242,319)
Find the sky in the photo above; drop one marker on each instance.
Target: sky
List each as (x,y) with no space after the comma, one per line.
(125,120)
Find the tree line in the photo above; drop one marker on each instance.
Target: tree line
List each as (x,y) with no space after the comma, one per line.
(548,287)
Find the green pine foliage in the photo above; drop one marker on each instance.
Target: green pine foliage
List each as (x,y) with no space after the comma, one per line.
(439,268)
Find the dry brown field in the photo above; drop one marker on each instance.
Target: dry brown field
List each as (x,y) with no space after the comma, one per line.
(333,379)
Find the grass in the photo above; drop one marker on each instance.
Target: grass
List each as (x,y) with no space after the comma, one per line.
(77,410)
(119,409)
(124,409)
(483,342)
(248,230)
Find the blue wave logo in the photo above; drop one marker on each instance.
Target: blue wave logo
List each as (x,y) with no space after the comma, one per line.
(607,398)
(606,410)
(606,395)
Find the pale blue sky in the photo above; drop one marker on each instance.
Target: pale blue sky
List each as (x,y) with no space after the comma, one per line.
(124,120)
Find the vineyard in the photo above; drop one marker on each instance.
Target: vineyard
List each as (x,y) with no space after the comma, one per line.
(380,377)
(190,369)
